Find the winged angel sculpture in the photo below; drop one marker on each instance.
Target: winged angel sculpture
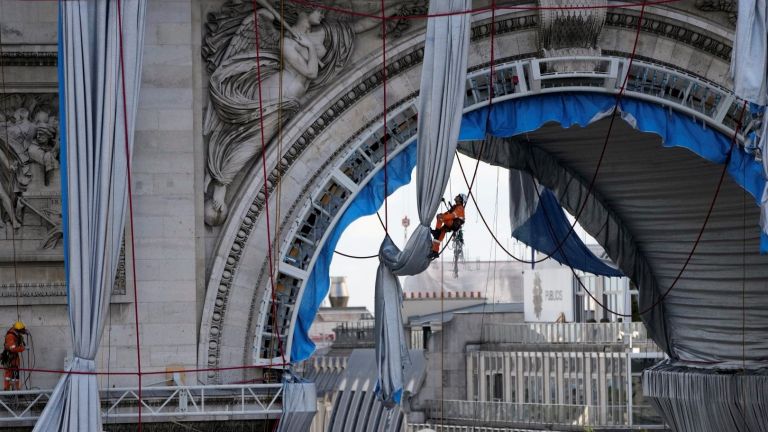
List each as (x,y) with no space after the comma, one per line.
(314,51)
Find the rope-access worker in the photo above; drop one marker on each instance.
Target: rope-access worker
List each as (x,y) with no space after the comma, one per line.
(11,356)
(452,220)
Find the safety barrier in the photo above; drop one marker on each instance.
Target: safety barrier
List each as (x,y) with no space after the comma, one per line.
(158,404)
(521,414)
(553,333)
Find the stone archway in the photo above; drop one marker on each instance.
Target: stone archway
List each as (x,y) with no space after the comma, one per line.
(330,151)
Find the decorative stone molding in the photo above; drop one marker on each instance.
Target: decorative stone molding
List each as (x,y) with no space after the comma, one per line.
(23,289)
(28,58)
(706,42)
(564,30)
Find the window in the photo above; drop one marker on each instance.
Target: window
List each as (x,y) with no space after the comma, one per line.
(498,387)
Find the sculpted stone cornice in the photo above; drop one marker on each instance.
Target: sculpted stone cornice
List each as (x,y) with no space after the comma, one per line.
(222,280)
(707,42)
(51,289)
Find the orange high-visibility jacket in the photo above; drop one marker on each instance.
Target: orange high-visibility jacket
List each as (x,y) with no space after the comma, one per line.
(456,212)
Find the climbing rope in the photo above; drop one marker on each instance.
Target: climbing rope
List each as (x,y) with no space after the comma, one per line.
(270,256)
(8,158)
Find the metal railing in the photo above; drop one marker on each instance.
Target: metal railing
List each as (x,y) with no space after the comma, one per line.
(517,414)
(552,333)
(166,403)
(675,88)
(355,334)
(418,427)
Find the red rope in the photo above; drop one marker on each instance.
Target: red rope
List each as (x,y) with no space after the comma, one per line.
(132,373)
(275,324)
(130,202)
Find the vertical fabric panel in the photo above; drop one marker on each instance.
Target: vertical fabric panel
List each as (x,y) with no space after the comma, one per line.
(94,179)
(442,92)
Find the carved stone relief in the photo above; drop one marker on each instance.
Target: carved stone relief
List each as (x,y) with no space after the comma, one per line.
(293,54)
(730,7)
(30,191)
(31,246)
(571,31)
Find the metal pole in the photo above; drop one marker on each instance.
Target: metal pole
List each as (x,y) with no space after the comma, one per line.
(630,390)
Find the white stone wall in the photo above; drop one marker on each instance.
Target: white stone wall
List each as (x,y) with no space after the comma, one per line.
(164,194)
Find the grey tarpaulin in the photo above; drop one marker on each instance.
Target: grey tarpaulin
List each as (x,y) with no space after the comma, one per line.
(749,67)
(356,407)
(706,400)
(442,92)
(596,218)
(95,184)
(299,406)
(646,209)
(523,193)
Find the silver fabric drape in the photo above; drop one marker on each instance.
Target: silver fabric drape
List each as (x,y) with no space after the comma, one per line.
(749,67)
(597,219)
(749,60)
(705,400)
(442,92)
(94,180)
(299,406)
(523,193)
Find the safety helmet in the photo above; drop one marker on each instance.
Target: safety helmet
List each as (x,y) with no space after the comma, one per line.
(18,325)
(462,197)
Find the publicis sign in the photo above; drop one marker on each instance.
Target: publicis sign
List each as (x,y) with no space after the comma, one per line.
(547,293)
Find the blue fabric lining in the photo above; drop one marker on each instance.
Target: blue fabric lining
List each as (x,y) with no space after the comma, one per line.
(367,202)
(567,109)
(538,234)
(63,148)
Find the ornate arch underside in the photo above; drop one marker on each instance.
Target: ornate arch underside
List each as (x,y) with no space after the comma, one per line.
(331,150)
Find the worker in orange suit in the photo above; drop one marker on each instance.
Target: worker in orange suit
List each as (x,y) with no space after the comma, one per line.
(452,220)
(11,356)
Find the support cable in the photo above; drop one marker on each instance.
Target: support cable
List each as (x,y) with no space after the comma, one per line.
(8,159)
(130,204)
(384,95)
(270,257)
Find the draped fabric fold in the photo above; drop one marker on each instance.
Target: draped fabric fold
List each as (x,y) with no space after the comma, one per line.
(749,70)
(537,219)
(749,60)
(442,92)
(299,406)
(94,179)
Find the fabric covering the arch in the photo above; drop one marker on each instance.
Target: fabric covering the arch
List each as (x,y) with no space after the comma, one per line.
(567,109)
(94,183)
(441,99)
(538,220)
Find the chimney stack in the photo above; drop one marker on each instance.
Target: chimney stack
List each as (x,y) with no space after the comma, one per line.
(339,294)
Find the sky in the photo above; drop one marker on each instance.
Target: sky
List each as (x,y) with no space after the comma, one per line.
(364,236)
